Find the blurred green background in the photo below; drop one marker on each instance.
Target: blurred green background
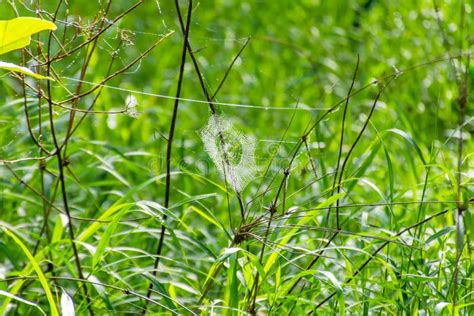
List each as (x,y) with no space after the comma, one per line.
(301,53)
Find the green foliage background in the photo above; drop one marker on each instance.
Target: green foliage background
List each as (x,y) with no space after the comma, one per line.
(301,53)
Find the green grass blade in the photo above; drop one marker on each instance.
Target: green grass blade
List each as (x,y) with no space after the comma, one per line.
(36,267)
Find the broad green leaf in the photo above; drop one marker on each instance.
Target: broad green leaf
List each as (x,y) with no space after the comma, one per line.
(104,241)
(172,292)
(58,230)
(16,33)
(209,217)
(36,267)
(104,218)
(23,70)
(410,140)
(440,233)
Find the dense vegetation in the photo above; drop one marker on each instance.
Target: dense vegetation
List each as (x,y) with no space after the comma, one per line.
(239,157)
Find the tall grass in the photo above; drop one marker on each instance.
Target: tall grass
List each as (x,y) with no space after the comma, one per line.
(355,121)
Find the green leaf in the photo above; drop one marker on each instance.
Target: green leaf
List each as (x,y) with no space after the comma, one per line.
(209,217)
(364,166)
(303,221)
(333,280)
(161,290)
(227,253)
(440,233)
(460,232)
(16,33)
(233,285)
(18,285)
(104,241)
(23,70)
(22,300)
(39,272)
(471,70)
(440,307)
(390,173)
(91,229)
(469,218)
(58,230)
(410,140)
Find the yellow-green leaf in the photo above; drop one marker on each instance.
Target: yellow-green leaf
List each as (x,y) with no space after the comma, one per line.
(23,70)
(285,240)
(36,267)
(16,33)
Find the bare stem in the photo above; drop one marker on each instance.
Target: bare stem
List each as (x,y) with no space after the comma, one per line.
(169,146)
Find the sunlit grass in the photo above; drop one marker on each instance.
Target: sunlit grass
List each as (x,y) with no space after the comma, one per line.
(378,223)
